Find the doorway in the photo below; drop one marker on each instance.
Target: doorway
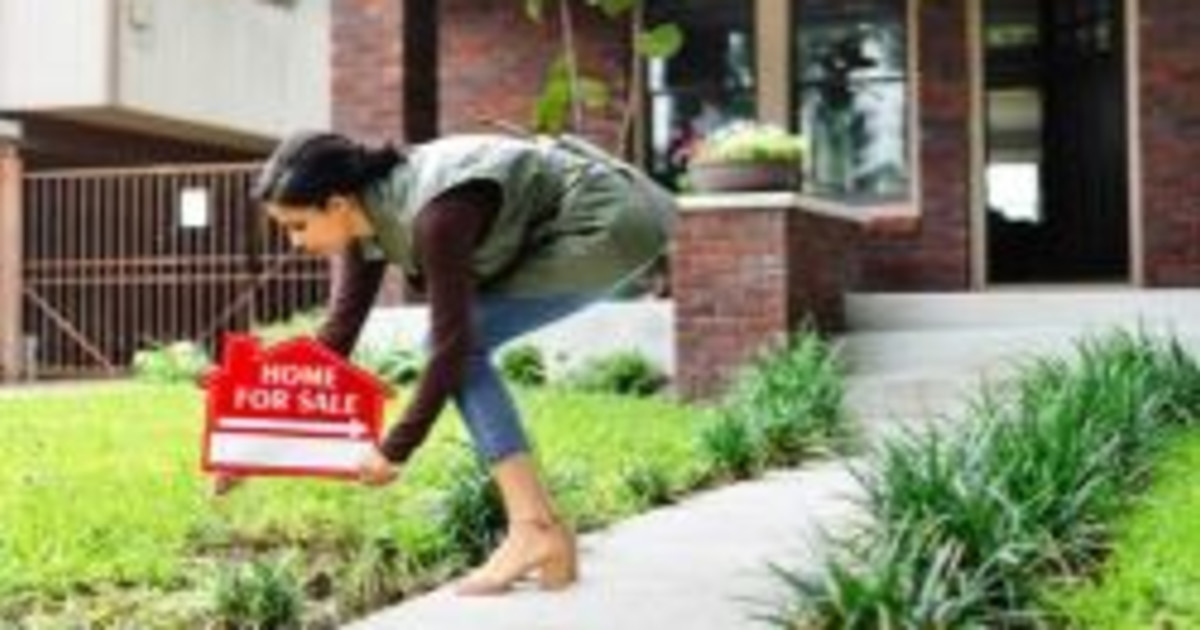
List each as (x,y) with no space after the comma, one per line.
(1056,165)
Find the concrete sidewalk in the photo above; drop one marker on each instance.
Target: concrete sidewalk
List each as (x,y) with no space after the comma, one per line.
(700,565)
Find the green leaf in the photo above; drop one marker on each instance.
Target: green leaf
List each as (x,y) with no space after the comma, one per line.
(613,8)
(553,106)
(594,93)
(660,42)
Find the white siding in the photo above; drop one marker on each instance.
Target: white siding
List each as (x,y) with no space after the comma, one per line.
(254,68)
(257,66)
(53,53)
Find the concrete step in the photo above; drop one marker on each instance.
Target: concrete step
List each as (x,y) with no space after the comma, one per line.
(952,352)
(882,398)
(993,352)
(1057,307)
(917,361)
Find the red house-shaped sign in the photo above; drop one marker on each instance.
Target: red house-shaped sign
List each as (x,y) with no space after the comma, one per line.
(294,409)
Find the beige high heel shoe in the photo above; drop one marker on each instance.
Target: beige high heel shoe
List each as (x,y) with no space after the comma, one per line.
(554,563)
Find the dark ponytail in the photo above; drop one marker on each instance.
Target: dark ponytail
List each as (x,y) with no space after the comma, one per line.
(308,168)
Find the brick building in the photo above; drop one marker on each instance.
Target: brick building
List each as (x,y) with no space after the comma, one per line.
(986,142)
(970,144)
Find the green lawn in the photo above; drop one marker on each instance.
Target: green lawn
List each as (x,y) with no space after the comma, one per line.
(1153,577)
(102,488)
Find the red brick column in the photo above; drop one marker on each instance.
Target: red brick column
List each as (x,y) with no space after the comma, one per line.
(11,325)
(1170,121)
(367,91)
(367,68)
(744,276)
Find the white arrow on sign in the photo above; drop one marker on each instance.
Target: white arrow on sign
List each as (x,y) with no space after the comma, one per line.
(354,429)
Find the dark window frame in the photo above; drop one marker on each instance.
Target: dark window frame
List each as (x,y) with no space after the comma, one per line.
(727,90)
(902,74)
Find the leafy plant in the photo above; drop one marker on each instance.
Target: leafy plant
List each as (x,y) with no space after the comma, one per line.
(748,141)
(260,595)
(729,447)
(470,512)
(783,407)
(648,484)
(399,366)
(965,529)
(627,373)
(373,577)
(792,400)
(567,91)
(304,323)
(179,362)
(524,365)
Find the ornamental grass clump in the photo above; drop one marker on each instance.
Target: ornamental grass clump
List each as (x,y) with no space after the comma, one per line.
(966,529)
(783,408)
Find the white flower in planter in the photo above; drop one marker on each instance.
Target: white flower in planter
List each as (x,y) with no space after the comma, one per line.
(747,156)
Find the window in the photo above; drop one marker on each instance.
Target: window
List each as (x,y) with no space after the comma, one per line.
(852,97)
(707,84)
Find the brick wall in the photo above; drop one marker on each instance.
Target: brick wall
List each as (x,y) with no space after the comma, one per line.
(1170,84)
(746,277)
(367,68)
(933,253)
(495,58)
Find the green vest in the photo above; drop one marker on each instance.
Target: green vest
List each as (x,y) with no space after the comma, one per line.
(572,219)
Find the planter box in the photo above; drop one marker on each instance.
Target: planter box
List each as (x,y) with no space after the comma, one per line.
(747,176)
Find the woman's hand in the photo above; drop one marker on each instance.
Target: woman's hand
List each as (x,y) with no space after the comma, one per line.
(375,470)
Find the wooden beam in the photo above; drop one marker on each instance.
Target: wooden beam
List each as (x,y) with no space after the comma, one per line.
(12,351)
(773,29)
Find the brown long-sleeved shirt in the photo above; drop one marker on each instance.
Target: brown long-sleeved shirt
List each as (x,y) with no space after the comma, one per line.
(446,232)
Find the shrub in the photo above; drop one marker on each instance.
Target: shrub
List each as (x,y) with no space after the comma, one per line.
(965,529)
(524,365)
(786,405)
(792,400)
(729,447)
(647,484)
(626,373)
(398,366)
(179,362)
(301,324)
(373,578)
(259,595)
(470,512)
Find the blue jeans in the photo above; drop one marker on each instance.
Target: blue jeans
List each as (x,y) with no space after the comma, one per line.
(483,400)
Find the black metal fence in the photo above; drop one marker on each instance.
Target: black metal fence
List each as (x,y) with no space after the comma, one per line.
(119,260)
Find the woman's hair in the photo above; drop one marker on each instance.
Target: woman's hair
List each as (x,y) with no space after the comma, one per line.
(308,168)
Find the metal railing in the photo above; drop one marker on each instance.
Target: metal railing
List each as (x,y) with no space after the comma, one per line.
(117,260)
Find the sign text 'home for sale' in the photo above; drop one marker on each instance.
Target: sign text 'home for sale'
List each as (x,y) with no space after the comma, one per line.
(294,409)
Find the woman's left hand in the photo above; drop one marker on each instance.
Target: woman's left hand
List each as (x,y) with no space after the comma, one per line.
(376,470)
